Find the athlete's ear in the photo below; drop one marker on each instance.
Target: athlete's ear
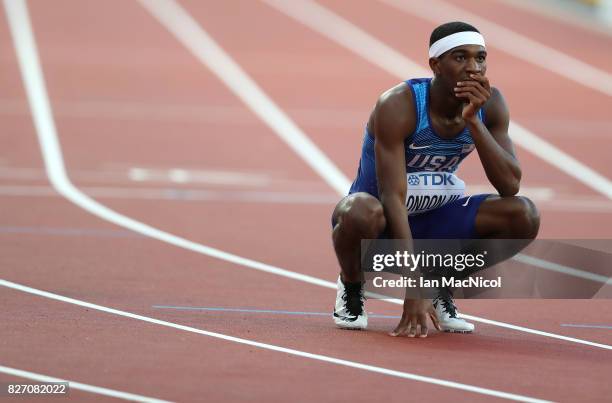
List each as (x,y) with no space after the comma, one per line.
(434,65)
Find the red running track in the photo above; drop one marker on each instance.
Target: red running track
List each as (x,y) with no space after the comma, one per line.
(126,94)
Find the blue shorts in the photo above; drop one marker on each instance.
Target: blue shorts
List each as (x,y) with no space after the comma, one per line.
(455,220)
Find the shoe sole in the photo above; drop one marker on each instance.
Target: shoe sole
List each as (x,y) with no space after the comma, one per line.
(349,326)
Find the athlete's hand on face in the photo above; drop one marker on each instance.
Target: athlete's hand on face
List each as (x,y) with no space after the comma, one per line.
(476,92)
(414,318)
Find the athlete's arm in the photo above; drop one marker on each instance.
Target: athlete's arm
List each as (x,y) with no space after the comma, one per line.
(391,122)
(492,141)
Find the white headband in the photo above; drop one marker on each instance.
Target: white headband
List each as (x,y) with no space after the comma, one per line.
(452,41)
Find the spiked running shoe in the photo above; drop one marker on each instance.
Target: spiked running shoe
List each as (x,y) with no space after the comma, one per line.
(447,314)
(349,312)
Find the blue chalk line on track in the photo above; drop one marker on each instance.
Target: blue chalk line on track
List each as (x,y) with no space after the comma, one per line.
(272,311)
(587,326)
(112,233)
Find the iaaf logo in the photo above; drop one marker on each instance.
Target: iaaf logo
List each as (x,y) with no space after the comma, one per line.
(433,179)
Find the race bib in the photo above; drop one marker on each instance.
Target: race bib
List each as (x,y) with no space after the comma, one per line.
(429,190)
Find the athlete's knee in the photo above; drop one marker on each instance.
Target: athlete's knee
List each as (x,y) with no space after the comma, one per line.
(524,218)
(362,215)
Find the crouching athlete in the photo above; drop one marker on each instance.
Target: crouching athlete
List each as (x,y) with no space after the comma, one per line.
(430,125)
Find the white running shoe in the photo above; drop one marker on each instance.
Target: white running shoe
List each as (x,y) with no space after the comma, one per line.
(349,312)
(447,314)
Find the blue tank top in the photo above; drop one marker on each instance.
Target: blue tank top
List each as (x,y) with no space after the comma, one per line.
(424,149)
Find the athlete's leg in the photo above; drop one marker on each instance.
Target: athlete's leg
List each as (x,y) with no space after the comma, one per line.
(477,216)
(514,218)
(356,217)
(507,218)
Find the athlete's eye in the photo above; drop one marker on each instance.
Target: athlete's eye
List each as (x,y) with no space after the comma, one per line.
(481,59)
(459,58)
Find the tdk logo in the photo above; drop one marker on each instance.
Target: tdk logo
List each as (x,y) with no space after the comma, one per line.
(413,180)
(431,179)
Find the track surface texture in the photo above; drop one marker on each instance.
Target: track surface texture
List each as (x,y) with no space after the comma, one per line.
(235,216)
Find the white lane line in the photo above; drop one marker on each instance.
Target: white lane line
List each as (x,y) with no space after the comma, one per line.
(139,174)
(236,115)
(209,176)
(265,346)
(179,175)
(32,76)
(203,47)
(559,203)
(514,43)
(180,194)
(559,268)
(563,161)
(203,177)
(345,33)
(176,194)
(77,385)
(568,13)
